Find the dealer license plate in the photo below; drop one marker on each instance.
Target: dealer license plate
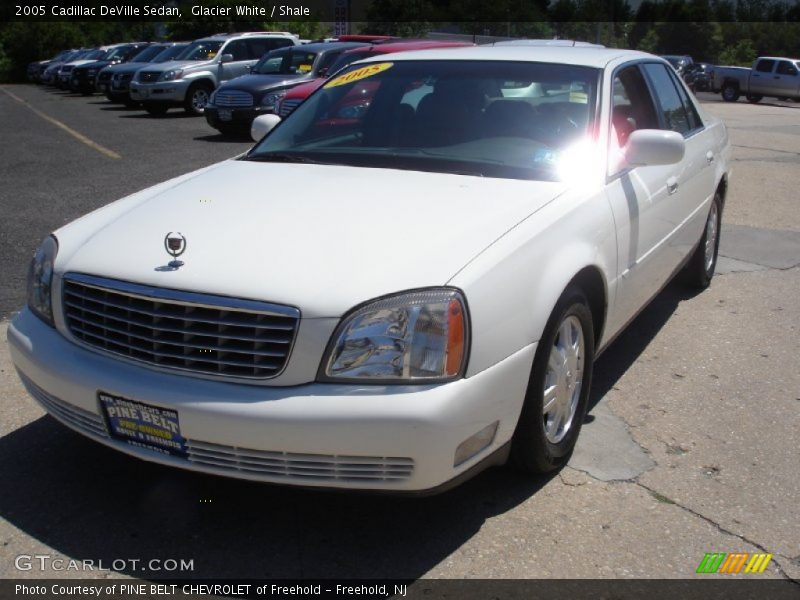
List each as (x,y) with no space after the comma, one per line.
(143,425)
(225,114)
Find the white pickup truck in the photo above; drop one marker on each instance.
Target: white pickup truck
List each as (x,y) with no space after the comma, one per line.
(771,76)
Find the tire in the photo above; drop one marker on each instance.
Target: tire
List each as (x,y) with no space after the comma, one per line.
(754,98)
(156,110)
(540,444)
(197,97)
(701,266)
(730,93)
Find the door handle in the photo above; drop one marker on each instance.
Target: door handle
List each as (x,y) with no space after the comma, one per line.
(672,185)
(709,157)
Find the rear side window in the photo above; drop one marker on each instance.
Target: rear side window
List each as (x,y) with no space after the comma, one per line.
(695,122)
(765,66)
(786,68)
(666,95)
(260,46)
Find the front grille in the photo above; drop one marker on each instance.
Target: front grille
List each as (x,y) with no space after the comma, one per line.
(233,98)
(287,106)
(149,76)
(67,68)
(78,418)
(295,466)
(210,335)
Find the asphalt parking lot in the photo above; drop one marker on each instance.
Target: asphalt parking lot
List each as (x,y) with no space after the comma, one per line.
(691,445)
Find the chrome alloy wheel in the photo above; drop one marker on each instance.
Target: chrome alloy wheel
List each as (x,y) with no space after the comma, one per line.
(711,236)
(199,99)
(563,380)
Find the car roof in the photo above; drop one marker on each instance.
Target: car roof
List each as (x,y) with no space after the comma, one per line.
(409,45)
(579,56)
(323,46)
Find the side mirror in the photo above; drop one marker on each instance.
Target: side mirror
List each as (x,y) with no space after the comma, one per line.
(262,126)
(649,147)
(226,58)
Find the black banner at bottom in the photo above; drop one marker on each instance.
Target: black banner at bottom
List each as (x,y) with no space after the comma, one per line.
(716,588)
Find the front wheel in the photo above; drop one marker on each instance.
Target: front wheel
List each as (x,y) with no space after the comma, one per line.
(196,98)
(558,391)
(754,98)
(730,93)
(701,266)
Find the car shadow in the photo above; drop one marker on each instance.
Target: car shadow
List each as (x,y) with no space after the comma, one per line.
(225,138)
(176,114)
(625,350)
(89,502)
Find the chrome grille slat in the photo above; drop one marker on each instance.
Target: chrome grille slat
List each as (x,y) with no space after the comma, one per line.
(233,99)
(139,323)
(169,329)
(185,344)
(174,315)
(72,415)
(300,466)
(287,106)
(148,76)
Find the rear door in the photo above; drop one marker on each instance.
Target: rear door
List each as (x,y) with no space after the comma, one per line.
(787,80)
(761,82)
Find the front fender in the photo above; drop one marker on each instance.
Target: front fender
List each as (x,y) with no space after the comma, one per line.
(514,284)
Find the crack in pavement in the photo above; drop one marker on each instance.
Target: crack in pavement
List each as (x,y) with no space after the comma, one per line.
(719,527)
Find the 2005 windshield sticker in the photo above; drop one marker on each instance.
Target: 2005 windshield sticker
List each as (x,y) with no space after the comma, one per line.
(361,73)
(143,425)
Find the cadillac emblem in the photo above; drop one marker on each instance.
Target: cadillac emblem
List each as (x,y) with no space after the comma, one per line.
(175,245)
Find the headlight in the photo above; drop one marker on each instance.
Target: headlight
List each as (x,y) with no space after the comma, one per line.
(269,100)
(212,96)
(415,337)
(40,279)
(172,75)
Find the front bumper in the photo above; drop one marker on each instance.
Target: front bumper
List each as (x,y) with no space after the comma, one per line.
(233,117)
(400,438)
(166,91)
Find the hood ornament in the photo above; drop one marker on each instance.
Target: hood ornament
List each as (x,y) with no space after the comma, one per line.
(175,245)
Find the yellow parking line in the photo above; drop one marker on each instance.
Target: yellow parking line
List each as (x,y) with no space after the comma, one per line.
(78,136)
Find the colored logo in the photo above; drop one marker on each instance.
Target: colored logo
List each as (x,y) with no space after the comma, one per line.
(175,245)
(736,562)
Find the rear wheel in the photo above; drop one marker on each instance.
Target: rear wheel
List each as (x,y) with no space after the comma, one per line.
(754,98)
(558,390)
(730,92)
(197,97)
(700,268)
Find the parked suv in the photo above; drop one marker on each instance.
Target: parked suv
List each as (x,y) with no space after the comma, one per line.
(236,103)
(204,65)
(84,77)
(115,80)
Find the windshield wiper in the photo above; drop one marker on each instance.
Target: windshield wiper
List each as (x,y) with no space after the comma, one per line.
(284,157)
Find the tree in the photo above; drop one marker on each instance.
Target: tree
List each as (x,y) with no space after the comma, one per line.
(742,54)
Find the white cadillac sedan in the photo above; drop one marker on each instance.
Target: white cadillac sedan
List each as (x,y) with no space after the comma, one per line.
(404,282)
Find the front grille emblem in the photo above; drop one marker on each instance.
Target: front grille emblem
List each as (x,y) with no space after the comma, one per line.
(175,245)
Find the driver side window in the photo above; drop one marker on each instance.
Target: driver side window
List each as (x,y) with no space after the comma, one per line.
(631,109)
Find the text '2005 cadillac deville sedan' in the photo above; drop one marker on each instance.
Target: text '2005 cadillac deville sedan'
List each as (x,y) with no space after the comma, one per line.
(405,281)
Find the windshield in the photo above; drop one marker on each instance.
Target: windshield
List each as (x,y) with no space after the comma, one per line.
(486,118)
(170,53)
(94,55)
(283,62)
(147,54)
(120,52)
(201,51)
(349,57)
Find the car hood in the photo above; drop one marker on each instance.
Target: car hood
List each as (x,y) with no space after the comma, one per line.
(320,237)
(177,64)
(96,64)
(126,67)
(260,83)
